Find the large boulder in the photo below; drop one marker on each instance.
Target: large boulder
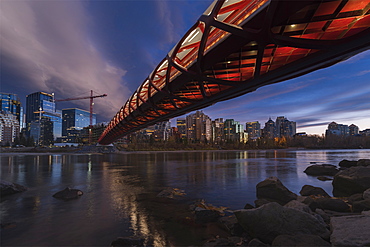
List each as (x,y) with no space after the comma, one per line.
(8,188)
(350,231)
(333,204)
(366,194)
(359,206)
(298,206)
(271,220)
(351,181)
(309,201)
(321,170)
(68,194)
(206,216)
(272,189)
(363,162)
(309,190)
(299,240)
(347,163)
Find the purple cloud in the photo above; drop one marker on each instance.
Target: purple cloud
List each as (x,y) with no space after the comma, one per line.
(47,42)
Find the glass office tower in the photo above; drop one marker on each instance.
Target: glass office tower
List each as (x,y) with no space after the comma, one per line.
(74,118)
(43,122)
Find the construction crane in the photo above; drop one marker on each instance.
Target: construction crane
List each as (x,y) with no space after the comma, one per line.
(91,97)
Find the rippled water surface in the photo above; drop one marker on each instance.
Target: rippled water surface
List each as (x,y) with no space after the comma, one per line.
(113,183)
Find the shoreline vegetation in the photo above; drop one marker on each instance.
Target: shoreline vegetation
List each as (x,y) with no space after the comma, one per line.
(134,143)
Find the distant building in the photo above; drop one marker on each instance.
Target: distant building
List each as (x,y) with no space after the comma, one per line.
(162,130)
(10,103)
(9,128)
(181,126)
(353,130)
(253,129)
(234,131)
(337,129)
(284,127)
(269,131)
(198,127)
(218,130)
(75,119)
(365,132)
(40,111)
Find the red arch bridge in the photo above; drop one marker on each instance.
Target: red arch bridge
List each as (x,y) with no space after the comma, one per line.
(238,46)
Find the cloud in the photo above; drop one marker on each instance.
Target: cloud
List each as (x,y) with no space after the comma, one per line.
(47,43)
(364,72)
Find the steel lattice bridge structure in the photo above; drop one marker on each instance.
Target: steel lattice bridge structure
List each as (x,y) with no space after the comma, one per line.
(238,46)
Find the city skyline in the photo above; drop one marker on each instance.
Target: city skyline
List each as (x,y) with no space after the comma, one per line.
(70,48)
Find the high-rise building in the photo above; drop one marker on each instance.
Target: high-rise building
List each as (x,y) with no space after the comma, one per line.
(284,127)
(269,131)
(162,130)
(218,130)
(10,103)
(253,129)
(40,111)
(198,127)
(233,130)
(75,119)
(181,126)
(9,128)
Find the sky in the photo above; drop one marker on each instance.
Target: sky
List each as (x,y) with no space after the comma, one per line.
(71,47)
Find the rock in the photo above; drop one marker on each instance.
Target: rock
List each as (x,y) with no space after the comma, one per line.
(333,204)
(131,241)
(272,189)
(248,206)
(298,206)
(299,240)
(323,215)
(218,242)
(8,188)
(366,194)
(355,197)
(206,216)
(359,206)
(309,190)
(350,231)
(171,193)
(68,194)
(363,162)
(347,163)
(271,220)
(367,213)
(257,243)
(230,224)
(260,202)
(308,201)
(8,225)
(230,241)
(351,181)
(323,178)
(319,170)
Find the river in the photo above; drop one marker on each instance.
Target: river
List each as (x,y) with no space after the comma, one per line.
(115,187)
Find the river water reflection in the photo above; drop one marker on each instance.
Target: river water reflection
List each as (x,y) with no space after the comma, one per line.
(112,184)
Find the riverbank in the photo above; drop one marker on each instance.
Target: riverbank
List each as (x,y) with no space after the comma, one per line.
(103,149)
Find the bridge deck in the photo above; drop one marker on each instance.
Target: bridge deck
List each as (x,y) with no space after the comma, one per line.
(238,46)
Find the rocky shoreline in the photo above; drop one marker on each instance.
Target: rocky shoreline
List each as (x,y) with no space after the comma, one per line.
(283,218)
